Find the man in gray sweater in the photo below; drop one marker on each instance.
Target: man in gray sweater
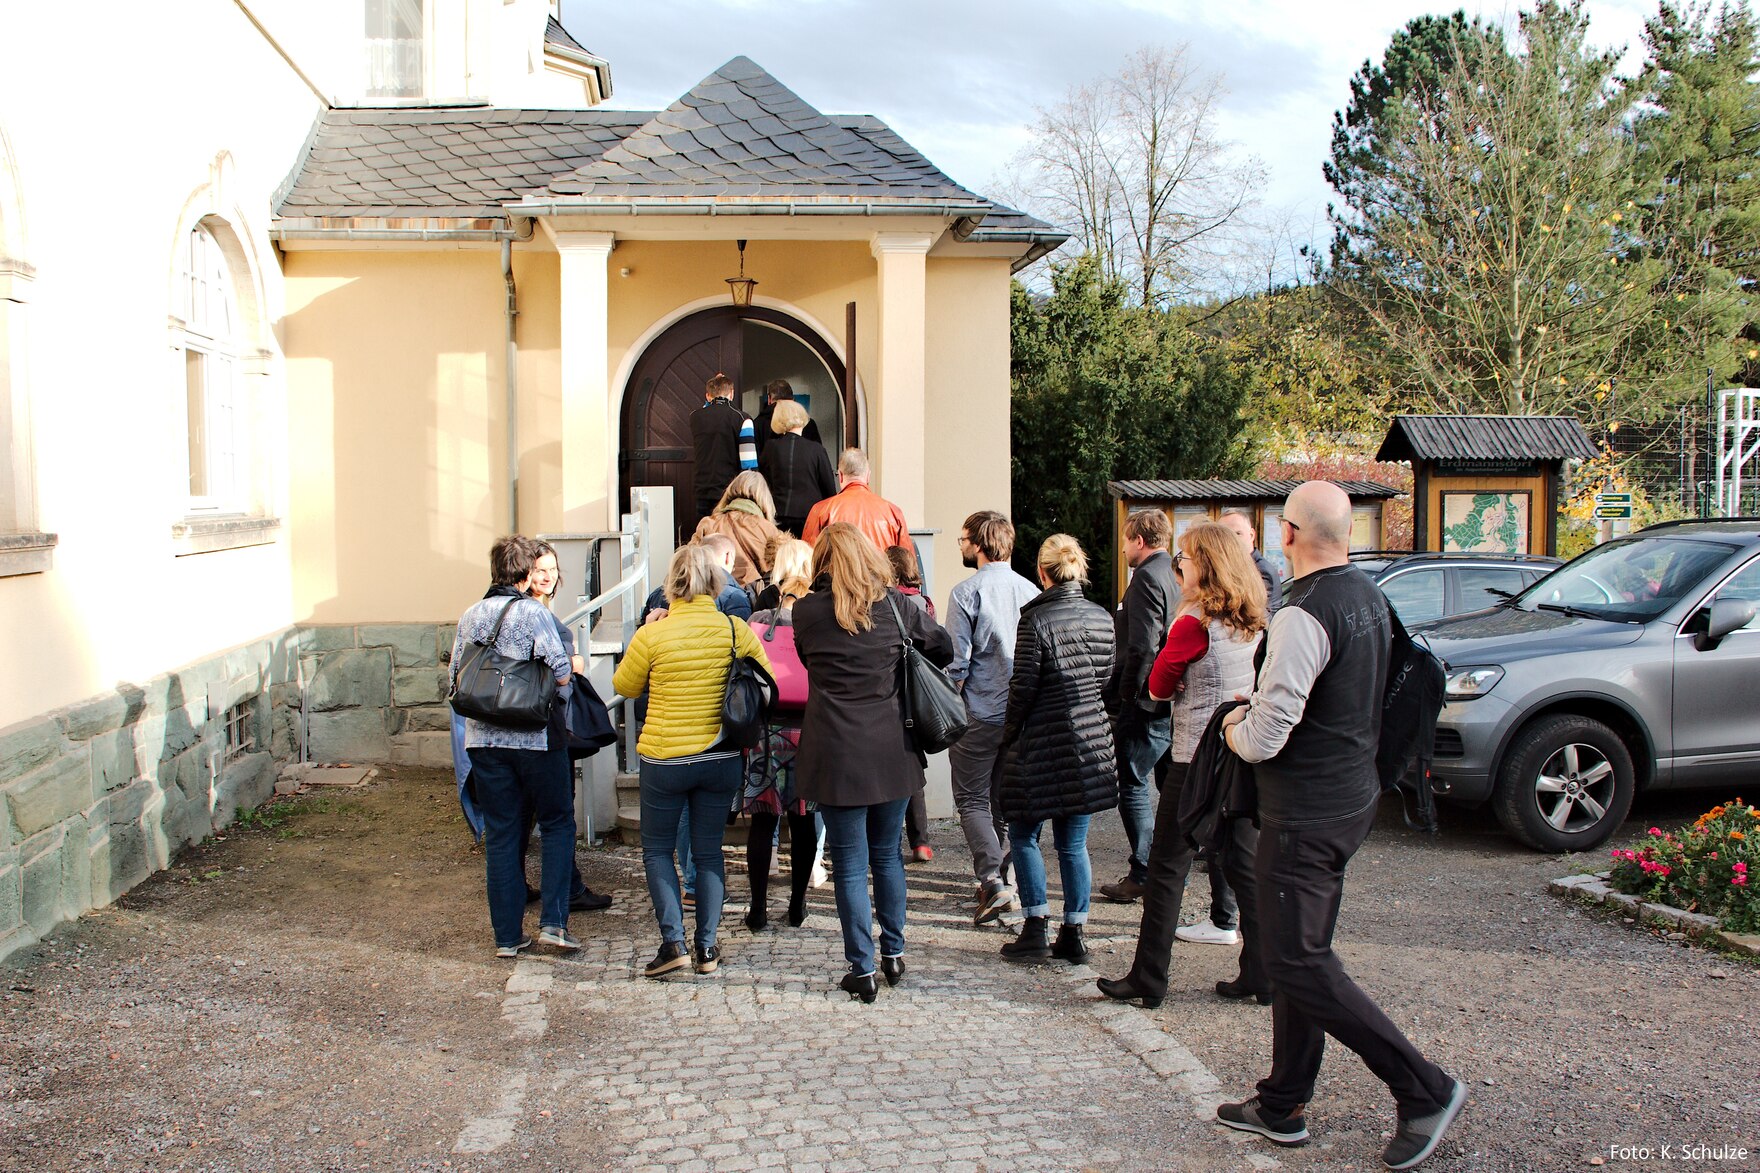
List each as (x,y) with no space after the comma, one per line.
(1311,729)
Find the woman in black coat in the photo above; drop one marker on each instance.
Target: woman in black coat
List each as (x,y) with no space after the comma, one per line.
(797,469)
(856,761)
(1058,762)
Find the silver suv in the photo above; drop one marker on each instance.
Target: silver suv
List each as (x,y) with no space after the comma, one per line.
(1426,587)
(1636,665)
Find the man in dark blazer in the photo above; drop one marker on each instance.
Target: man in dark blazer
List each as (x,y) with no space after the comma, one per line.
(1242,525)
(1141,729)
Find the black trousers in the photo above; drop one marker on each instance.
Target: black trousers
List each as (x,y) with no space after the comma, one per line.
(916,821)
(1170,865)
(1301,885)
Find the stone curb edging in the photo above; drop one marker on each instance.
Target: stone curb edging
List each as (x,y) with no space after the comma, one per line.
(1592,888)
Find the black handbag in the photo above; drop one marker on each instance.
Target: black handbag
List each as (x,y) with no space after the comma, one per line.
(499,690)
(747,699)
(587,726)
(935,713)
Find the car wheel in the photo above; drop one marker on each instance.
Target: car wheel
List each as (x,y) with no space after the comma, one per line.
(1566,784)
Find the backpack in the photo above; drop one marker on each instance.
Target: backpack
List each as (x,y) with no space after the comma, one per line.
(1409,707)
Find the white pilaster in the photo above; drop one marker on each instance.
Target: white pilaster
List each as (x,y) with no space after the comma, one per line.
(898,403)
(588,429)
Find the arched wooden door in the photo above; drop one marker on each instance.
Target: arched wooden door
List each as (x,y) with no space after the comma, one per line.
(667,385)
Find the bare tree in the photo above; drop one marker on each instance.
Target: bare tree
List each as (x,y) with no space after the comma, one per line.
(1132,167)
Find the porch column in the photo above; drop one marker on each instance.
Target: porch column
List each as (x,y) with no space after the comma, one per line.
(588,431)
(898,405)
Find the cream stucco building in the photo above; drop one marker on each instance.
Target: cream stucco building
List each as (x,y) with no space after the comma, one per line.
(302,304)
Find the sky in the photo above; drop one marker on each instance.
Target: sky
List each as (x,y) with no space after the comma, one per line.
(961,82)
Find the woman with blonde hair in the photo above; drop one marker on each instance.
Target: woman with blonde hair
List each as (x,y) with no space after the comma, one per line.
(1058,764)
(746,514)
(770,790)
(797,466)
(1207,660)
(856,759)
(682,662)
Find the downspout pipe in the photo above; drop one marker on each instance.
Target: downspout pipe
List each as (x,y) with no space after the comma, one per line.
(512,387)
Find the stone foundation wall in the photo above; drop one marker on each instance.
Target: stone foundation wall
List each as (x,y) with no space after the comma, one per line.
(97,796)
(377,693)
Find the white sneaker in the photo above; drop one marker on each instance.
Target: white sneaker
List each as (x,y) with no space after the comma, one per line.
(1205,933)
(819,876)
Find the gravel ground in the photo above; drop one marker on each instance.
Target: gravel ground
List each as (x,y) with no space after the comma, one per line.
(318,991)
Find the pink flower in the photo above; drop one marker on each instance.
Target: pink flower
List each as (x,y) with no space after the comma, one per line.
(1663,869)
(1740,868)
(1740,879)
(1656,830)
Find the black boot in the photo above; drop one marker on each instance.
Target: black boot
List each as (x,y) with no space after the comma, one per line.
(864,986)
(1032,946)
(1069,946)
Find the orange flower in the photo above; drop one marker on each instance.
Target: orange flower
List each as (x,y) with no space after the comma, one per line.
(1737,835)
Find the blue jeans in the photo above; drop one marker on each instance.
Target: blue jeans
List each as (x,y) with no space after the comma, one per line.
(1142,742)
(861,837)
(686,865)
(510,783)
(706,789)
(1071,836)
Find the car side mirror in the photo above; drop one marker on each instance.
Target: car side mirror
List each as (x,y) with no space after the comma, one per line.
(1725,616)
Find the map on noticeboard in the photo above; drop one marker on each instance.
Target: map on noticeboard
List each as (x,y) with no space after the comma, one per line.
(1485,523)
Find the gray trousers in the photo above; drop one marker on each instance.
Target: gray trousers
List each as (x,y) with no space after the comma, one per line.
(973,761)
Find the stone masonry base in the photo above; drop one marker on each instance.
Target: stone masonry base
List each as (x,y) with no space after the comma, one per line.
(97,796)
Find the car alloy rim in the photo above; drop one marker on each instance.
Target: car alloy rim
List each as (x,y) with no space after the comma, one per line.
(1574,787)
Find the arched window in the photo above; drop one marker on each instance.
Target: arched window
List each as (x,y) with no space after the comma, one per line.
(213,349)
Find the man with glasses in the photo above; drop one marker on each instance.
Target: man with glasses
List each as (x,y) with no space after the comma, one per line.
(1140,725)
(984,613)
(1311,729)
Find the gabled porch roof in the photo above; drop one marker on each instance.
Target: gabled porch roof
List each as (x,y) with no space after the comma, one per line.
(739,143)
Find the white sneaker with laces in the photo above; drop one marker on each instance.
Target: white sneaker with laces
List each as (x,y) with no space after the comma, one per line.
(1206,933)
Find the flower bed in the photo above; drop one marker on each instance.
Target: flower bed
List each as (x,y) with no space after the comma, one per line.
(1704,869)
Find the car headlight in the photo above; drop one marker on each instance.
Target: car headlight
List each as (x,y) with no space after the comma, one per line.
(1464,684)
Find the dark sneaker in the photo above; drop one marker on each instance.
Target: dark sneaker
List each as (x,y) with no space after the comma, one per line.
(587,900)
(1414,1140)
(558,936)
(708,959)
(671,956)
(513,950)
(1289,1129)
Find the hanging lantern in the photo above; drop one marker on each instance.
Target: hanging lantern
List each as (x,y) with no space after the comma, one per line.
(741,287)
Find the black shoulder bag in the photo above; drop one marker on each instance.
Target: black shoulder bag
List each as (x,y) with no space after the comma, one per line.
(747,699)
(500,690)
(935,713)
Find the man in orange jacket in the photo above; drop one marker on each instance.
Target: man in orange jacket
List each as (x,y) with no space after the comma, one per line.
(859,505)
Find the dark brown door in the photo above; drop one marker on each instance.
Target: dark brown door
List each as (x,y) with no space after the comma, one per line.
(667,385)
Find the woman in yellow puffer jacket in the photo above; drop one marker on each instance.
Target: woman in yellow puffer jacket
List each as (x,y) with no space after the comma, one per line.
(682,663)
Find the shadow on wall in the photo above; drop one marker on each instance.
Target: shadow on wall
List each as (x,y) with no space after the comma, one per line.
(399,482)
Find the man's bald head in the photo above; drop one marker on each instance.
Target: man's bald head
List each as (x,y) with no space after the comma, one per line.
(1322,511)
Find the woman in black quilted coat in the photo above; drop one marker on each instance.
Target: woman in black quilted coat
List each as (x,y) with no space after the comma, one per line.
(1058,758)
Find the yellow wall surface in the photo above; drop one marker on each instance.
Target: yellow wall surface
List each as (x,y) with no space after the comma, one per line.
(200,116)
(966,449)
(396,375)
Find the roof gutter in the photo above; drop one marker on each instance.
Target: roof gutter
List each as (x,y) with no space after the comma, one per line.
(690,207)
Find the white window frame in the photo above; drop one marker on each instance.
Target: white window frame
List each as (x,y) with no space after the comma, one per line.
(23,549)
(220,322)
(209,340)
(410,89)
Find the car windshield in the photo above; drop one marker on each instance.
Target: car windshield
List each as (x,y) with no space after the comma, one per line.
(1627,581)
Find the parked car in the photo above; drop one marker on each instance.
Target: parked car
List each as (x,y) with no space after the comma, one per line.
(1425,587)
(1634,666)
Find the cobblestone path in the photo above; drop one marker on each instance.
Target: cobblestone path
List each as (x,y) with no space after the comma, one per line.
(969,1064)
